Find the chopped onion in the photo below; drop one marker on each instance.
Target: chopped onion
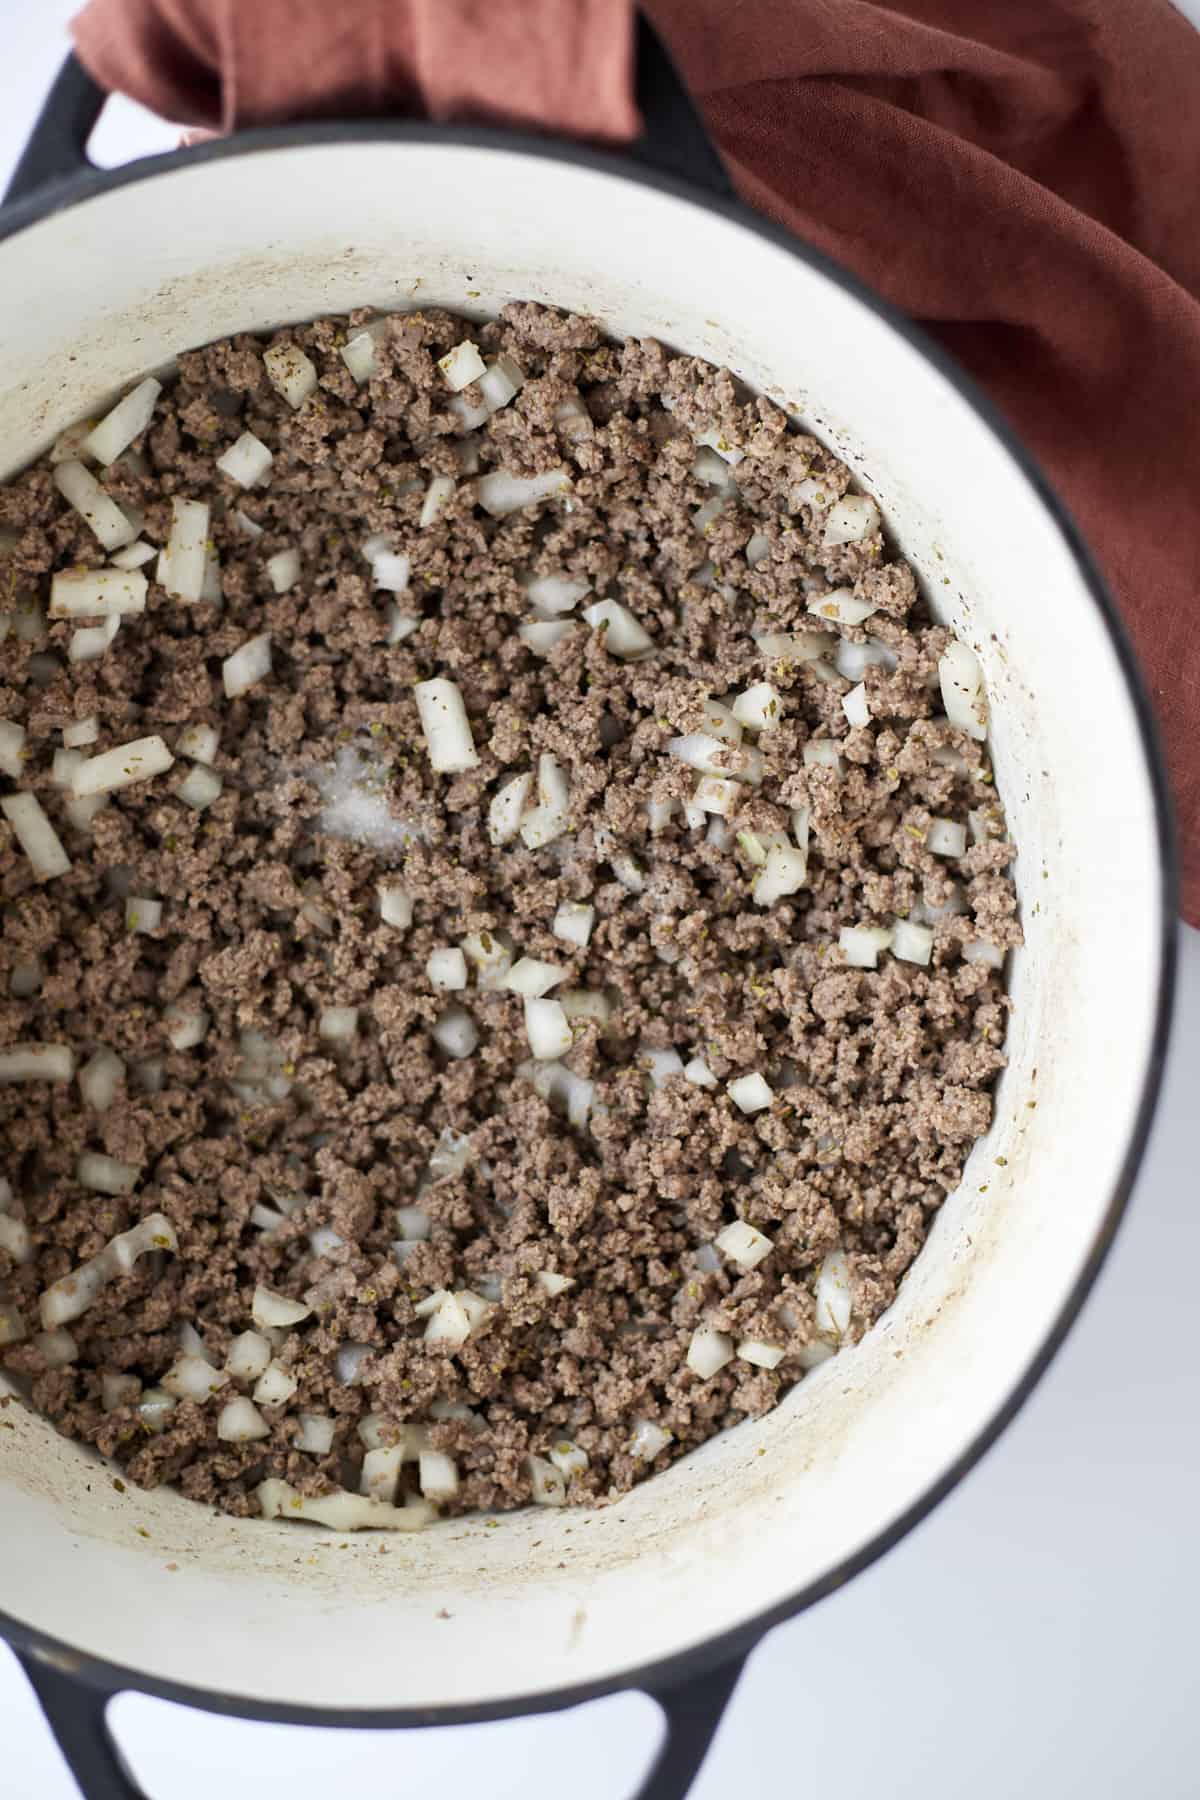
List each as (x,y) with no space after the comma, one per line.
(283,569)
(248,665)
(834,1295)
(662,1064)
(117,1391)
(15,1240)
(573,923)
(186,1025)
(500,382)
(99,1079)
(348,1360)
(743,1244)
(338,1023)
(586,1003)
(12,1324)
(358,354)
(36,835)
(715,439)
(504,813)
(80,813)
(438,495)
(946,837)
(446,727)
(342,1511)
(842,607)
(809,492)
(461,366)
(708,1351)
(240,1422)
(861,944)
(12,749)
(698,1073)
(714,794)
(437,1475)
(758,548)
(193,1378)
(413,1223)
(150,1075)
(401,625)
(275,1385)
(456,1033)
(648,1440)
(121,767)
(155,1408)
(199,787)
(553,1284)
(850,520)
(763,1356)
(793,646)
(568,1458)
(271,1309)
(447,968)
(853,660)
(93,640)
(550,595)
(80,489)
(550,817)
(68,446)
(706,515)
(95,593)
(963,696)
(573,419)
(26,979)
(391,572)
(80,732)
(66,1299)
(248,462)
(448,1321)
(323,1239)
(183,566)
(547,1028)
(540,635)
(709,756)
(56,1348)
(856,708)
(532,978)
(822,753)
(987,956)
(713,471)
(380,1475)
(758,707)
(104,1175)
(395,906)
(37,1062)
(547,1484)
(142,913)
(750,1093)
(622,635)
(469,417)
(315,1435)
(491,957)
(249,1355)
(127,421)
(912,943)
(784,873)
(291,373)
(500,493)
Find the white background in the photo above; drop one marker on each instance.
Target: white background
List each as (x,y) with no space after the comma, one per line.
(1036,1636)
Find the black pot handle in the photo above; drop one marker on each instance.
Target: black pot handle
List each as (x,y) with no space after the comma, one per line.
(673,142)
(76,1711)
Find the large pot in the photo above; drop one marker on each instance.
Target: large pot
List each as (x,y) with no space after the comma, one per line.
(103,276)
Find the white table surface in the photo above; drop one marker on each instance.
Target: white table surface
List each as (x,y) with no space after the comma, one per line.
(1035,1636)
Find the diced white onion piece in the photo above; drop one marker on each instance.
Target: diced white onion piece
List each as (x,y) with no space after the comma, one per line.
(68,445)
(249,1355)
(37,1062)
(449,1322)
(758,548)
(549,1488)
(810,492)
(659,814)
(12,748)
(265,1218)
(447,968)
(708,1351)
(750,1093)
(451,1153)
(275,1385)
(961,678)
(80,489)
(199,787)
(550,595)
(323,1239)
(500,493)
(127,421)
(470,418)
(68,1298)
(36,835)
(856,708)
(437,496)
(80,813)
(698,1073)
(342,1511)
(461,366)
(150,1075)
(425,1309)
(142,913)
(248,665)
(834,1297)
(391,572)
(648,1440)
(793,646)
(93,640)
(283,569)
(155,1408)
(104,1175)
(291,373)
(763,1356)
(99,1079)
(401,625)
(532,978)
(758,708)
(547,1029)
(413,1223)
(269,1309)
(348,1361)
(821,753)
(987,956)
(553,1284)
(240,1422)
(853,660)
(842,607)
(140,760)
(573,418)
(568,1458)
(13,1328)
(504,813)
(315,1435)
(586,1003)
(445,725)
(743,1244)
(80,732)
(248,462)
(784,873)
(573,923)
(715,439)
(540,635)
(95,593)
(946,837)
(714,794)
(662,1064)
(246,525)
(118,1390)
(912,943)
(706,515)
(861,944)
(491,958)
(456,1033)
(193,1378)
(15,1240)
(500,382)
(380,1475)
(709,756)
(621,634)
(549,818)
(850,520)
(437,1475)
(338,1024)
(56,1348)
(713,471)
(183,565)
(358,354)
(395,906)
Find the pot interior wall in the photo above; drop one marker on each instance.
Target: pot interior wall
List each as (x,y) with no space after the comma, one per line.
(94,296)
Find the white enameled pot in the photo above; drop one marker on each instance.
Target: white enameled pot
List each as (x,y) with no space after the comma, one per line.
(105,276)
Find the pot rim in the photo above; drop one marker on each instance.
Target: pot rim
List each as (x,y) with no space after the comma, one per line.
(671,1671)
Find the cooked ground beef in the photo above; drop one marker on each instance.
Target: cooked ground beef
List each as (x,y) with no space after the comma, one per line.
(278,1151)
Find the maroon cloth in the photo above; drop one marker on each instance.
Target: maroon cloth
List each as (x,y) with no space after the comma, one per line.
(1020,175)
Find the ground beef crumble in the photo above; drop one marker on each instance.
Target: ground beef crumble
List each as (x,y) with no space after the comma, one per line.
(279,1155)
